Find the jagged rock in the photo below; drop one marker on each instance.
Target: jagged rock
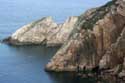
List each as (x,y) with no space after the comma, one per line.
(121,7)
(92,41)
(33,33)
(74,53)
(115,54)
(63,32)
(107,30)
(43,31)
(95,39)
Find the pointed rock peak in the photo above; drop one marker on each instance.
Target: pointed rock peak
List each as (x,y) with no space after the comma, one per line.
(72,19)
(47,19)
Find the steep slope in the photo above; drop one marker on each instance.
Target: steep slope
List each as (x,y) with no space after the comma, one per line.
(95,39)
(91,39)
(43,31)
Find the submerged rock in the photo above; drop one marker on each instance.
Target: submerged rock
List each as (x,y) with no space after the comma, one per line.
(43,31)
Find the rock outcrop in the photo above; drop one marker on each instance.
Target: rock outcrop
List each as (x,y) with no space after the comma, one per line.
(97,39)
(115,53)
(62,32)
(43,31)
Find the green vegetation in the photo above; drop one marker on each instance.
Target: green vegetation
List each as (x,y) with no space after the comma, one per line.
(97,15)
(88,21)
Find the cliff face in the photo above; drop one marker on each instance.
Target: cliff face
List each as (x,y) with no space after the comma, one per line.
(96,40)
(43,31)
(35,32)
(115,53)
(62,32)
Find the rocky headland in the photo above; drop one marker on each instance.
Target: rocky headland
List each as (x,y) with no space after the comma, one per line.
(43,31)
(96,41)
(93,40)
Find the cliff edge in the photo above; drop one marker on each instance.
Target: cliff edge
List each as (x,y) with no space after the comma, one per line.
(97,40)
(43,31)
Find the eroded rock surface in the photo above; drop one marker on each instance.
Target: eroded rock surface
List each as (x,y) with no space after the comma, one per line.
(97,39)
(43,31)
(62,32)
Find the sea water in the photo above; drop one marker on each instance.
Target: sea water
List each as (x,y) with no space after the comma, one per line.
(26,64)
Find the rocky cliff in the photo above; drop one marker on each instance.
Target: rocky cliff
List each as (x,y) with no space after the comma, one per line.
(43,31)
(97,40)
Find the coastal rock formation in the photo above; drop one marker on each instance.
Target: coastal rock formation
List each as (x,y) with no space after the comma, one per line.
(97,40)
(43,31)
(34,32)
(75,52)
(93,40)
(115,53)
(62,32)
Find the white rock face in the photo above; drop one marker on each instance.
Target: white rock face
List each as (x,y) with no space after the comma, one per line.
(44,30)
(62,32)
(34,32)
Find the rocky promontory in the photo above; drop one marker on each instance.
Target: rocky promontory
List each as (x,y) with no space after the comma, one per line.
(43,31)
(95,39)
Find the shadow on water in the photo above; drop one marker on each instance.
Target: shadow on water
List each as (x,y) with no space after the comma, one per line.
(74,78)
(25,64)
(66,77)
(38,53)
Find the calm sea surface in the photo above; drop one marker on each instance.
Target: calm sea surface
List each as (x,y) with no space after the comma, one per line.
(26,64)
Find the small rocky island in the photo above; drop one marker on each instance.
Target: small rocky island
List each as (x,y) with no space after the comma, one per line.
(95,39)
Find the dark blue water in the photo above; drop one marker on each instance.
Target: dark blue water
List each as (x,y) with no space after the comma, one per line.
(25,64)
